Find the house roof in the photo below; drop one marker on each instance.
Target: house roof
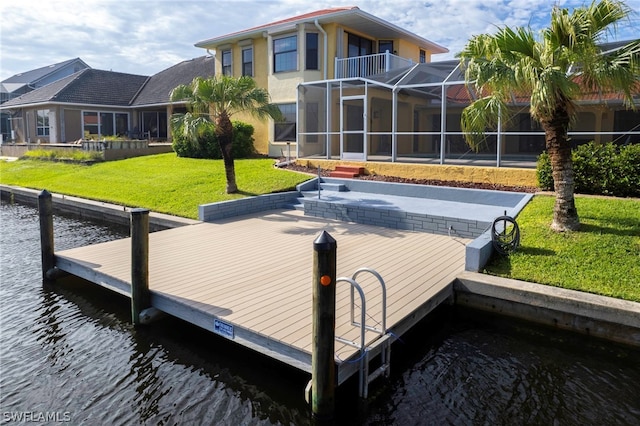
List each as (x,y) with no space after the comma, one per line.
(32,77)
(86,87)
(156,90)
(351,17)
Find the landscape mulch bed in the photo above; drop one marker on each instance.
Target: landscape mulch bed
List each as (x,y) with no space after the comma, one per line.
(383,178)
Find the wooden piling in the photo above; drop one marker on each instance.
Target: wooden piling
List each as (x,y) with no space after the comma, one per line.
(323,367)
(140,296)
(45,211)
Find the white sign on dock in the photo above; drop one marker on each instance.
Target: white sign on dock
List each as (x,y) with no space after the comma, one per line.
(223,329)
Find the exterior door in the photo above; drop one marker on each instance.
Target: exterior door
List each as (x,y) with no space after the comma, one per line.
(353,137)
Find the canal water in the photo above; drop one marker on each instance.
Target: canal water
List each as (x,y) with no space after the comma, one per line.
(69,355)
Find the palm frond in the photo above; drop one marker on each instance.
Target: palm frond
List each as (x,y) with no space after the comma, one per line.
(480,115)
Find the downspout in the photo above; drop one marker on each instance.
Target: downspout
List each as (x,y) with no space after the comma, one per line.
(325,46)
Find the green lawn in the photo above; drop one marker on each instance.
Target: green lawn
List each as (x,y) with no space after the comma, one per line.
(602,258)
(163,183)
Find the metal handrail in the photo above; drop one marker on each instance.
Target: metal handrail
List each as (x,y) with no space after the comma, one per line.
(365,378)
(362,314)
(366,65)
(363,311)
(384,301)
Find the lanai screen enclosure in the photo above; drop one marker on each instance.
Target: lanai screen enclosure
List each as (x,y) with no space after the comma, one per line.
(412,114)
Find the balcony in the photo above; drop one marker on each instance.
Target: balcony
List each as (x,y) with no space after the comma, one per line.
(365,66)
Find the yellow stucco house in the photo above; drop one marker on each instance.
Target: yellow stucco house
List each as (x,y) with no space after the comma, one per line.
(341,42)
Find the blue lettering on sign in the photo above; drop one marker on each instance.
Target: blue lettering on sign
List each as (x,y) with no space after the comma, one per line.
(223,329)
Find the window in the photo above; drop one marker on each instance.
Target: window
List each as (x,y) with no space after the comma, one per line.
(226,62)
(122,124)
(626,120)
(359,46)
(99,124)
(384,45)
(154,124)
(106,124)
(90,124)
(247,61)
(286,130)
(42,122)
(423,56)
(312,51)
(285,54)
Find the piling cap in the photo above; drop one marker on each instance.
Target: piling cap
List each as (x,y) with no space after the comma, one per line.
(139,211)
(324,242)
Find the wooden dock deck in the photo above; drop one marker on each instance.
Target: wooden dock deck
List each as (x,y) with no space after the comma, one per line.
(250,278)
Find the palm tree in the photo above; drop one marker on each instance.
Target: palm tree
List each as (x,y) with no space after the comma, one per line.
(553,69)
(214,100)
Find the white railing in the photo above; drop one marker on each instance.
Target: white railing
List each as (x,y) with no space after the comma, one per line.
(364,66)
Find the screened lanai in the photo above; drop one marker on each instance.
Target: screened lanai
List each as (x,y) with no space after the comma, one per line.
(413,115)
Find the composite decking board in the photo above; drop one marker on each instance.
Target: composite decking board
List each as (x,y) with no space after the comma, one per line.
(210,267)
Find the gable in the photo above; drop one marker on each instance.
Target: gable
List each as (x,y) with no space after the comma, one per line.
(157,88)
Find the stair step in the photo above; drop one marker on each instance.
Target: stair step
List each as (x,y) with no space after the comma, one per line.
(295,205)
(338,187)
(343,174)
(350,169)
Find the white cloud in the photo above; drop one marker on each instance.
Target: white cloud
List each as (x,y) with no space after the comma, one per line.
(147,36)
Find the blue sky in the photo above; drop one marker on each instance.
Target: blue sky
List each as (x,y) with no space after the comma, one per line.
(145,37)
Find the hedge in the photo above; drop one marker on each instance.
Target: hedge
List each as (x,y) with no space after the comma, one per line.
(604,169)
(207,143)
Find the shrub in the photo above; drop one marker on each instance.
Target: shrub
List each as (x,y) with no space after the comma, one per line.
(605,169)
(593,171)
(207,146)
(543,172)
(627,167)
(68,155)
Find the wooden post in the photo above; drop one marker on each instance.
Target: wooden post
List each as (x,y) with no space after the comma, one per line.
(45,210)
(140,297)
(323,367)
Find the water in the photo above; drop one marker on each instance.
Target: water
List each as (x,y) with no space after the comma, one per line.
(69,354)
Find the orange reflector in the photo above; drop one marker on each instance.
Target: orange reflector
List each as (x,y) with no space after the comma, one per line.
(325,280)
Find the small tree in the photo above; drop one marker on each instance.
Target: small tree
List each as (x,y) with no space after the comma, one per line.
(553,69)
(213,101)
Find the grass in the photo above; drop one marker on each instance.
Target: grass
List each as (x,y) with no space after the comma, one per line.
(603,257)
(163,183)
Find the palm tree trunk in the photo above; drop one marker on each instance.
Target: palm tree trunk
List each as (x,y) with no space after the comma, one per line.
(565,214)
(224,134)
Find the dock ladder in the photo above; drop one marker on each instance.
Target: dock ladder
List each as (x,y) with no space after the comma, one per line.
(381,345)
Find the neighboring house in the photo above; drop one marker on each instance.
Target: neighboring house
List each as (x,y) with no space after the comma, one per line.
(25,82)
(412,114)
(342,42)
(151,106)
(92,104)
(88,104)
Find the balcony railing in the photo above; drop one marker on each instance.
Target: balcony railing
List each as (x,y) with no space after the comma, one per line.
(364,66)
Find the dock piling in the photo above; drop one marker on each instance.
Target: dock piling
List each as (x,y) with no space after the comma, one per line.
(140,296)
(323,367)
(45,211)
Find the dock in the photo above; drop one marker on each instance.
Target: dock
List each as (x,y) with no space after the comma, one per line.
(249,278)
(247,271)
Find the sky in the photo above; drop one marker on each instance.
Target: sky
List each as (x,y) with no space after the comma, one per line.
(147,36)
